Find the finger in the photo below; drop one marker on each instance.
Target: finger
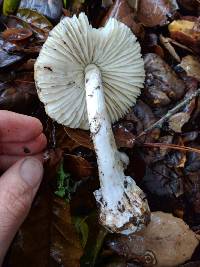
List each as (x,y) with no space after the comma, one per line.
(23,149)
(7,161)
(18,186)
(18,128)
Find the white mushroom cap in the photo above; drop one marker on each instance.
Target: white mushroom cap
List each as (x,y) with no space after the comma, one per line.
(60,69)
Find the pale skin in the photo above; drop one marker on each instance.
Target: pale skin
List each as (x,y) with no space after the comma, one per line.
(21,145)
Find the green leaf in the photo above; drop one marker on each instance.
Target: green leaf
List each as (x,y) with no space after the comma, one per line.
(82,229)
(9,6)
(65,185)
(65,3)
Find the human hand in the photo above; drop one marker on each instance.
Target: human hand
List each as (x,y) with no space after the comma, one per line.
(20,136)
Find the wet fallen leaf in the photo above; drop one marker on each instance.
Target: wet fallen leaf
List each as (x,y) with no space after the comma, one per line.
(124,13)
(167,241)
(193,162)
(162,182)
(14,35)
(39,24)
(187,32)
(123,137)
(162,83)
(190,5)
(177,121)
(107,3)
(153,13)
(151,44)
(192,66)
(78,166)
(15,98)
(66,248)
(8,60)
(50,8)
(81,137)
(191,264)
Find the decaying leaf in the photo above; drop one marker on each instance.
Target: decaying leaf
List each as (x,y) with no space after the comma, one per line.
(78,166)
(190,5)
(161,181)
(7,60)
(192,66)
(178,120)
(51,8)
(144,113)
(15,35)
(187,32)
(153,13)
(66,248)
(81,137)
(123,137)
(124,13)
(167,241)
(38,23)
(107,3)
(162,83)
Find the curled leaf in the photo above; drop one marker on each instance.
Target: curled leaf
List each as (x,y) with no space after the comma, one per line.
(49,8)
(37,22)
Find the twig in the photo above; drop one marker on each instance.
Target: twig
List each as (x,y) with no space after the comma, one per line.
(169,47)
(172,146)
(171,112)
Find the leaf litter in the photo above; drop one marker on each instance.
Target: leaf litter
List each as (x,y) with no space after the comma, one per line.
(160,134)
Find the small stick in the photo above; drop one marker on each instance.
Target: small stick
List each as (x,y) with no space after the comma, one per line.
(169,47)
(171,112)
(172,146)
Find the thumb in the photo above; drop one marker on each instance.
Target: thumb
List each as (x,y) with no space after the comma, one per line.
(18,186)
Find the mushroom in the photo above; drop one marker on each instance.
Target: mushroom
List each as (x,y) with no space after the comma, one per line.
(89,78)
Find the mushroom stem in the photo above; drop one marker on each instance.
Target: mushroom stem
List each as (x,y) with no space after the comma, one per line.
(123,205)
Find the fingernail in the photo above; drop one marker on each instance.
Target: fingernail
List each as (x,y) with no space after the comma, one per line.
(31,171)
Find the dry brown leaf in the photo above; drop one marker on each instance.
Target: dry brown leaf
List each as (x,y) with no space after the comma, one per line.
(78,166)
(162,84)
(81,137)
(15,35)
(124,13)
(192,66)
(167,241)
(155,13)
(177,121)
(187,32)
(66,249)
(123,137)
